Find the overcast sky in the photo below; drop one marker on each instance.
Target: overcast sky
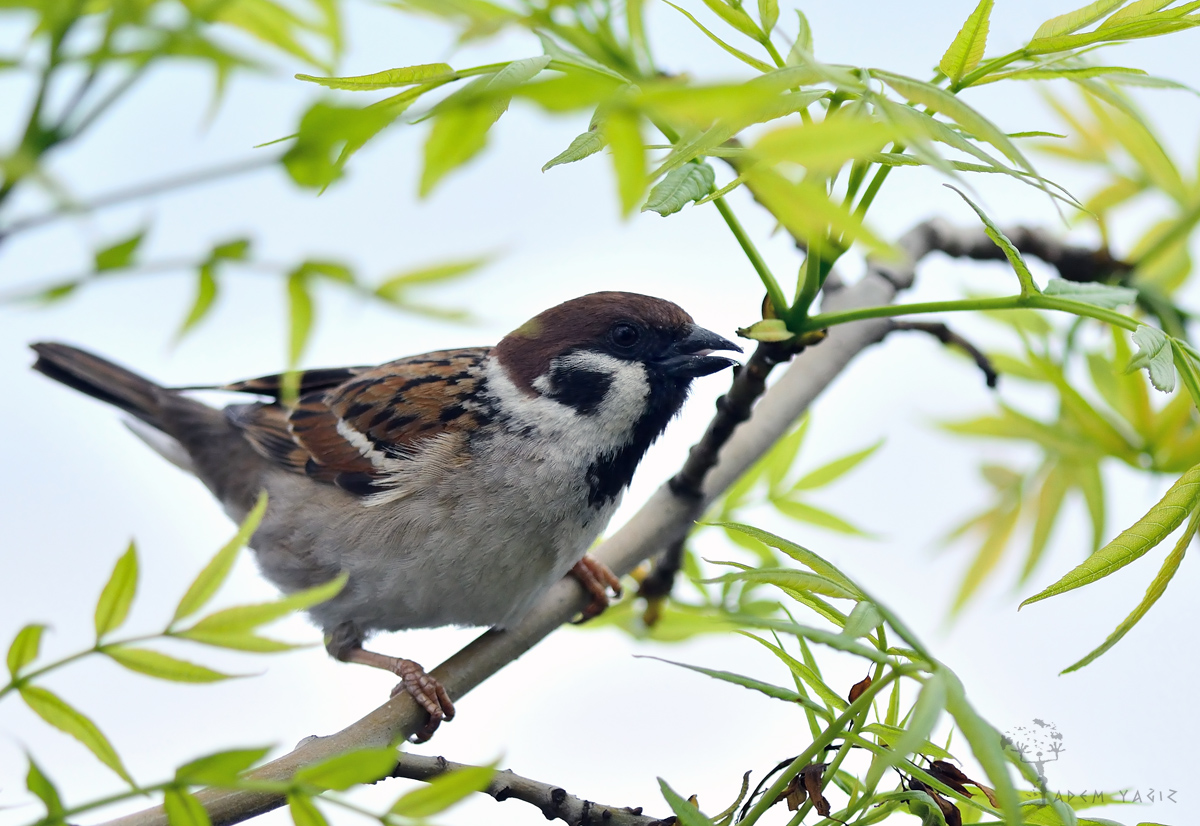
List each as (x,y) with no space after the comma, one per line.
(579,710)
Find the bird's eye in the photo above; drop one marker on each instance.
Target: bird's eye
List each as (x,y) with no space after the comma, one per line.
(624,335)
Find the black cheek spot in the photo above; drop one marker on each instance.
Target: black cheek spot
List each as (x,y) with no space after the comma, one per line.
(582,390)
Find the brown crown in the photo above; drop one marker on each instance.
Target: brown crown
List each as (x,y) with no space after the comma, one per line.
(526,351)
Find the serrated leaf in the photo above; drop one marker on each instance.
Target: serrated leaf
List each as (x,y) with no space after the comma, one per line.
(24,648)
(213,575)
(773,691)
(1091,292)
(1028,287)
(219,769)
(685,812)
(803,673)
(738,53)
(113,605)
(1076,20)
(303,811)
(119,255)
(985,743)
(589,143)
(735,16)
(1153,592)
(821,636)
(1155,354)
(966,50)
(183,809)
(831,472)
(40,785)
(242,619)
(1135,541)
(162,666)
(799,553)
(444,791)
(804,40)
(342,771)
(458,134)
(864,618)
(1049,502)
(622,132)
(690,182)
(67,719)
(790,579)
(892,734)
(387,79)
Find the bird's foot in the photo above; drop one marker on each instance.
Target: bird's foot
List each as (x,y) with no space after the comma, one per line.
(428,693)
(597,580)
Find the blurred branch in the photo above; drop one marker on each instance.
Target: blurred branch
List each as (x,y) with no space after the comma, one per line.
(952,339)
(663,520)
(1074,263)
(139,191)
(555,803)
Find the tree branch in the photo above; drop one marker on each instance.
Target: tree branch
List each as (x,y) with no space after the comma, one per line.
(553,802)
(664,519)
(952,339)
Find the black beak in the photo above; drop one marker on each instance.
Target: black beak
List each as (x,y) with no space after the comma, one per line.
(690,357)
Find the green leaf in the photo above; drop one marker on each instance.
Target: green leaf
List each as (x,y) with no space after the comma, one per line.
(863,619)
(206,295)
(342,771)
(393,289)
(735,16)
(780,458)
(687,814)
(831,472)
(772,691)
(998,525)
(623,134)
(804,512)
(213,576)
(825,146)
(222,768)
(817,635)
(458,135)
(64,717)
(242,619)
(387,79)
(768,14)
(113,605)
(892,735)
(40,785)
(1092,292)
(330,134)
(300,315)
(1075,20)
(931,702)
(24,648)
(589,143)
(1153,592)
(790,579)
(690,182)
(738,53)
(119,255)
(1135,9)
(162,666)
(804,674)
(1154,354)
(235,250)
(1028,287)
(183,809)
(304,812)
(1180,500)
(966,50)
(444,791)
(985,743)
(939,100)
(804,39)
(799,553)
(806,211)
(236,641)
(1049,503)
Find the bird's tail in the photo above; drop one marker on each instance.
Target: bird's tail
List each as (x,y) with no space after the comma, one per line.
(101,379)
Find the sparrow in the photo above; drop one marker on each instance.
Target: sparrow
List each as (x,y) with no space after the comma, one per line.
(453,487)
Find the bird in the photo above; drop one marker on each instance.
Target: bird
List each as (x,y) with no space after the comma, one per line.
(453,487)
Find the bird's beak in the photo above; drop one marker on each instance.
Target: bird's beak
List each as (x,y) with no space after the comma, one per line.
(690,357)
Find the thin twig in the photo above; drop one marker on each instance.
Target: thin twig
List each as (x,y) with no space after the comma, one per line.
(952,339)
(554,802)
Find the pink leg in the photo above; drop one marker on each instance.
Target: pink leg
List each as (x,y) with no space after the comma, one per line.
(597,580)
(428,692)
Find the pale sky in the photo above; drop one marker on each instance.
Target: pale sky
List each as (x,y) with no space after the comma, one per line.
(578,711)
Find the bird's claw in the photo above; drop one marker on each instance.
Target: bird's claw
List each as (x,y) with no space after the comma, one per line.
(597,579)
(428,693)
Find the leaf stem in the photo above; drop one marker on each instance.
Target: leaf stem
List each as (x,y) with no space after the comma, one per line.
(778,299)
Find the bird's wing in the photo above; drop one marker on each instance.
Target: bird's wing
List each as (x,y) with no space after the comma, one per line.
(361,432)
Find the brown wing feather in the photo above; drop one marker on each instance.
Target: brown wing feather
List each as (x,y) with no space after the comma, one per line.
(354,433)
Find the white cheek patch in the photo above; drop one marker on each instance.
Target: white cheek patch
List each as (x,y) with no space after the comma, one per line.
(606,429)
